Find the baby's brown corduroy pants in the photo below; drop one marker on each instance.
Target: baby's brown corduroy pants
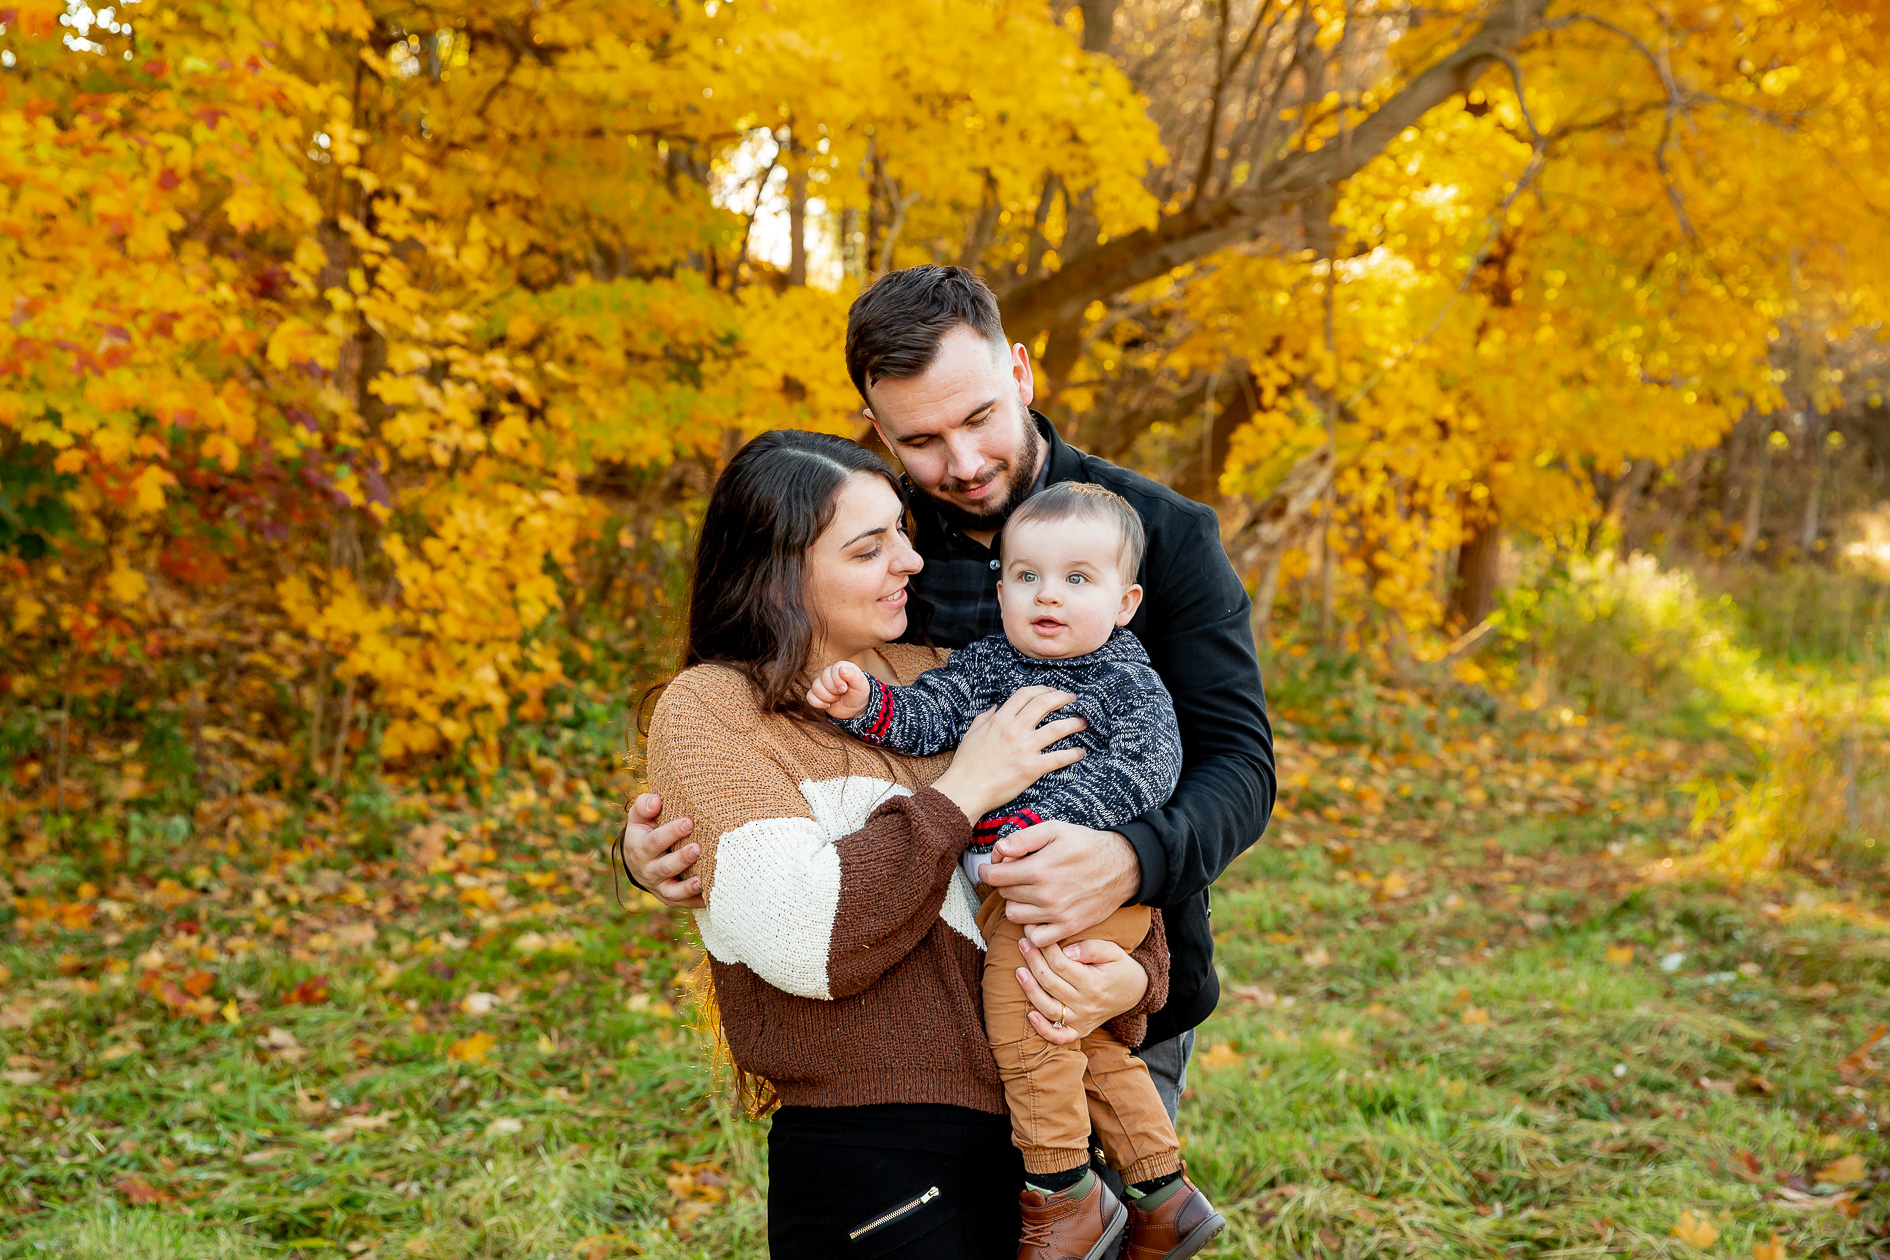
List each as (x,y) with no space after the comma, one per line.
(1058,1094)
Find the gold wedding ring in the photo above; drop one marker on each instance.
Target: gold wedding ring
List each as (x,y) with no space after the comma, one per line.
(1063,1018)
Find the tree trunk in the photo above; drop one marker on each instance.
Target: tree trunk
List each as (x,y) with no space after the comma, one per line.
(1099,24)
(1327,589)
(1808,531)
(1479,563)
(1200,480)
(797,218)
(1755,505)
(1263,596)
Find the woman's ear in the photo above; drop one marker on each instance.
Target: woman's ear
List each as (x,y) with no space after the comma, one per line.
(1131,600)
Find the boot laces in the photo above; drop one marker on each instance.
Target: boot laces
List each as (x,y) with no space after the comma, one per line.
(1038,1232)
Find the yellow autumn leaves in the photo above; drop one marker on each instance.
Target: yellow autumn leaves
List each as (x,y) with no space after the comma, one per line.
(353,353)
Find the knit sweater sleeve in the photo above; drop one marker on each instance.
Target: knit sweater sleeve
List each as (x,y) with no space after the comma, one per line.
(929,716)
(818,887)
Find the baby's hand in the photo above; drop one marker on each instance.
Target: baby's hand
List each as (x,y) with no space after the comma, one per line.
(841,691)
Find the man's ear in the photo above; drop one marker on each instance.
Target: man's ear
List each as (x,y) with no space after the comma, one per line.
(1131,600)
(1021,374)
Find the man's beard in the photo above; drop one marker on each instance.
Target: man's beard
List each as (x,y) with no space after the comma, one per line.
(1023,471)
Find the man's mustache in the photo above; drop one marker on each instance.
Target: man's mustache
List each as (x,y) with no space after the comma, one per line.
(959,487)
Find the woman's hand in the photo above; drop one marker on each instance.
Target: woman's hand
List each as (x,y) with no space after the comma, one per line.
(1003,752)
(1080,986)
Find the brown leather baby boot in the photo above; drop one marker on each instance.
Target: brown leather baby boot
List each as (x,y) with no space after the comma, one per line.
(1173,1229)
(1060,1227)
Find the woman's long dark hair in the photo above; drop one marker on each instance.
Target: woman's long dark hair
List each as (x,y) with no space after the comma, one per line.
(746,604)
(747,611)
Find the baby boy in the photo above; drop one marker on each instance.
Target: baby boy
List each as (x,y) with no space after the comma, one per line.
(1067,588)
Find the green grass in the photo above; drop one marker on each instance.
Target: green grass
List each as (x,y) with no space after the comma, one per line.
(1425,1045)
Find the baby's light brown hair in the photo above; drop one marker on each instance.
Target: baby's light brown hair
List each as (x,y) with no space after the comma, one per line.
(1079,500)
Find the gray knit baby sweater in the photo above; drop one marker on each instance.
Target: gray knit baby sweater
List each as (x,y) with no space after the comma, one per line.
(1132,748)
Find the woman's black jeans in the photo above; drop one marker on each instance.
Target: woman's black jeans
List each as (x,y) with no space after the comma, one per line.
(907,1180)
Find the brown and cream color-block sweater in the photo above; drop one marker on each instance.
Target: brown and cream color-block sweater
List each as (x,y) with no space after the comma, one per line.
(840,929)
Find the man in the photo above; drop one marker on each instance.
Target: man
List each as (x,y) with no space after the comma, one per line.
(950,396)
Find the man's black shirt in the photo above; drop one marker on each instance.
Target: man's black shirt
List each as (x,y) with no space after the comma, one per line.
(1195,622)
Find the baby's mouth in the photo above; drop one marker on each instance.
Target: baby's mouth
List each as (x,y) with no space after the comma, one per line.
(1047,624)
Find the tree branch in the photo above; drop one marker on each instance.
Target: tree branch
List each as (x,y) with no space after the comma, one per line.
(1198,230)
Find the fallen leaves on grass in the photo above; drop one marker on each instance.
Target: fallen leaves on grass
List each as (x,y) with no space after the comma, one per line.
(282,1043)
(1259,995)
(472,1049)
(1475,1015)
(1857,1065)
(310,992)
(1769,1250)
(698,1189)
(479,1003)
(351,1125)
(1220,1055)
(137,1190)
(1620,955)
(1842,1172)
(1695,1230)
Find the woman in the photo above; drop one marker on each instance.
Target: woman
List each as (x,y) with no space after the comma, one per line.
(838,924)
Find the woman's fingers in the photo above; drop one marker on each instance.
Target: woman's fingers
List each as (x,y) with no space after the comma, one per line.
(1062,757)
(682,894)
(673,863)
(1046,701)
(1050,732)
(1046,978)
(1032,704)
(1051,1033)
(647,844)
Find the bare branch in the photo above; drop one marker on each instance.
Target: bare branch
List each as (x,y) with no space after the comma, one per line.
(1197,230)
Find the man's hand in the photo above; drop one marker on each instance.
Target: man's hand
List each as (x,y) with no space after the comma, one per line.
(1060,879)
(841,691)
(658,858)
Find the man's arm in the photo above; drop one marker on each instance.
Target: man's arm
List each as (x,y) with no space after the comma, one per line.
(1199,637)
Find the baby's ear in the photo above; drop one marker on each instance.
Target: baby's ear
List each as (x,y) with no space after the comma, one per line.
(1131,600)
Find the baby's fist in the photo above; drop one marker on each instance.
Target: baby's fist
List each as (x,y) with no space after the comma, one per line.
(841,691)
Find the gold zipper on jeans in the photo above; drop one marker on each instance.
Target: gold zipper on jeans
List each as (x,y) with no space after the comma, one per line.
(903,1209)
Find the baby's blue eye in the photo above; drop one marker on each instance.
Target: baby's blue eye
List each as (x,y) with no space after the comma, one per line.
(1027,576)
(1076,579)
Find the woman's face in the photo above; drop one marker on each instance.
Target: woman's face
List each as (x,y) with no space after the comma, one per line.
(857,572)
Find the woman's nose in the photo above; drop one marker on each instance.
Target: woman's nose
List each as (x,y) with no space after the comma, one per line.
(905,558)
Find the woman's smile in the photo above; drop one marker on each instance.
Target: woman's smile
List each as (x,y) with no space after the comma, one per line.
(895,600)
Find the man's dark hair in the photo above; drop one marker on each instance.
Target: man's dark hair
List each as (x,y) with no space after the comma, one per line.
(894,328)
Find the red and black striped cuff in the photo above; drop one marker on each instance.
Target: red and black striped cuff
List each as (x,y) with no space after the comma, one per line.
(1021,819)
(882,724)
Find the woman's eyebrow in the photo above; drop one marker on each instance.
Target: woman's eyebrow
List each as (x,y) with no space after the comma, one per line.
(865,533)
